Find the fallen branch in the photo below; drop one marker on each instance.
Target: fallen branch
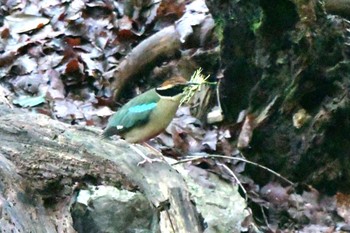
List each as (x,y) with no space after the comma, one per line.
(164,43)
(205,156)
(338,7)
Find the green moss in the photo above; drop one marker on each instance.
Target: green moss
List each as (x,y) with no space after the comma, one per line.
(290,92)
(256,22)
(219,29)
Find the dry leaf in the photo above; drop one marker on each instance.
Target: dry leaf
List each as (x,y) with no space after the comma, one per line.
(195,14)
(20,23)
(246,133)
(343,206)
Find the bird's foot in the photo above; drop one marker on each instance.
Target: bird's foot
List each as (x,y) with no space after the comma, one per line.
(148,160)
(145,158)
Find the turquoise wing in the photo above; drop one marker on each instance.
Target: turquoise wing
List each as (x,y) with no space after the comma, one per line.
(136,112)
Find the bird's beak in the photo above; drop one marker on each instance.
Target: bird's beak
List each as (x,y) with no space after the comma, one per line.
(191,83)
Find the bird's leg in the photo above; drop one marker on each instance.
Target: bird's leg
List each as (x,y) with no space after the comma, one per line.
(157,152)
(152,148)
(145,158)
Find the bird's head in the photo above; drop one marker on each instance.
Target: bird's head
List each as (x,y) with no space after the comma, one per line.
(172,87)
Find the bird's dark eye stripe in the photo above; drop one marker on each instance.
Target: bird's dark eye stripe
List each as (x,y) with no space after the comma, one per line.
(175,90)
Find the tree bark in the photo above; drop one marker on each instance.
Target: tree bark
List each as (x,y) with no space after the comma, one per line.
(287,63)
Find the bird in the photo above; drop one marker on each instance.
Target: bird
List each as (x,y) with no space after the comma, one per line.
(148,114)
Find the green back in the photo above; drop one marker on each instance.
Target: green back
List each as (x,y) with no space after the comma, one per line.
(134,113)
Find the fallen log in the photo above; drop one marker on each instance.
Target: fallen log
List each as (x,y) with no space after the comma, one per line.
(45,166)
